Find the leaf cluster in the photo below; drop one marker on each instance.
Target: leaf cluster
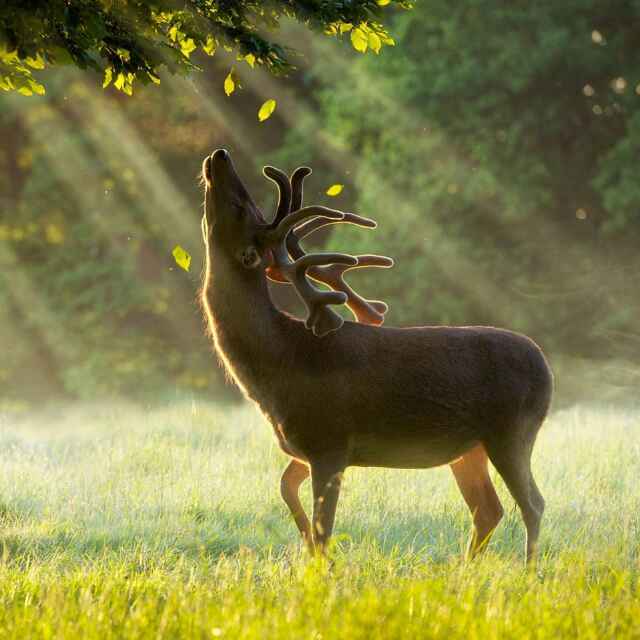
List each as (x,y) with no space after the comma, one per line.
(132,40)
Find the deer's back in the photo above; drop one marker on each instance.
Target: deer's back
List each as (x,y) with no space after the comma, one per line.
(412,397)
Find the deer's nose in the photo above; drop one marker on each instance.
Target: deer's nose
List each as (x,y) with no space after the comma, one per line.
(220,154)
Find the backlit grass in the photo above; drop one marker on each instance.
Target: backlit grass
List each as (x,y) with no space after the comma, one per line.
(119,522)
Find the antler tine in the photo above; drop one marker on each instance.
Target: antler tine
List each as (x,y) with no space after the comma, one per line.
(293,244)
(364,311)
(317,223)
(320,319)
(296,217)
(284,193)
(297,178)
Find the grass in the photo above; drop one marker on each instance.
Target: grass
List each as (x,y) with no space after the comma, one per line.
(167,523)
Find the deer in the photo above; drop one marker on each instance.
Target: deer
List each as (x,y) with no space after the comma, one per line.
(341,393)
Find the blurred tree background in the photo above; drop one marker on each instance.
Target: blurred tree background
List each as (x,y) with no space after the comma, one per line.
(496,145)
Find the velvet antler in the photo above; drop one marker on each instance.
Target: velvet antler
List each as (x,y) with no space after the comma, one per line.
(292,265)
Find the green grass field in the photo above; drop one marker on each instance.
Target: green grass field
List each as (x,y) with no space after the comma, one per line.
(167,523)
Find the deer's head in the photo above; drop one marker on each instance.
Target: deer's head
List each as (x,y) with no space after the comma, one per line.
(231,220)
(237,234)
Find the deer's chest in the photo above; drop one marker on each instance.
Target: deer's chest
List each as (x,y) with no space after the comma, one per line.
(288,442)
(287,438)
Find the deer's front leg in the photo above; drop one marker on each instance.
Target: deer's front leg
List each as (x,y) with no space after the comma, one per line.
(294,475)
(326,477)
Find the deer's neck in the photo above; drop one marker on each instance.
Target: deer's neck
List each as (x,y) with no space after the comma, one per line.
(251,337)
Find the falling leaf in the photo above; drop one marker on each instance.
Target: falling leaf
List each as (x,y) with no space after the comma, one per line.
(266,110)
(335,189)
(229,84)
(182,258)
(54,234)
(359,40)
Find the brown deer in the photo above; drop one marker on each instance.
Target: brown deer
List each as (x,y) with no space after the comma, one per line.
(341,393)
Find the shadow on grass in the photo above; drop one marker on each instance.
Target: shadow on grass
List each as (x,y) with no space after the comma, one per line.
(200,532)
(207,535)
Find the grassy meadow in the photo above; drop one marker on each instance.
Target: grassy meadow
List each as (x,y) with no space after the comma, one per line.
(118,522)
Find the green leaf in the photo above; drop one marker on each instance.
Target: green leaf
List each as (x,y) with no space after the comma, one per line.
(266,110)
(182,257)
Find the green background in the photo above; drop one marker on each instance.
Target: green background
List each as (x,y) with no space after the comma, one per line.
(497,145)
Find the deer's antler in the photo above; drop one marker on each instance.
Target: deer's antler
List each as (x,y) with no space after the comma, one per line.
(292,265)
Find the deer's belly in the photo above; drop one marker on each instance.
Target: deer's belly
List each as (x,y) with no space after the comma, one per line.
(405,452)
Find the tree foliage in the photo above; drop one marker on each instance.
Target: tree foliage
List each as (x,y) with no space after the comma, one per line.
(497,145)
(92,302)
(134,39)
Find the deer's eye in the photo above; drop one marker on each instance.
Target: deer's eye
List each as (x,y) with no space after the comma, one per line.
(250,257)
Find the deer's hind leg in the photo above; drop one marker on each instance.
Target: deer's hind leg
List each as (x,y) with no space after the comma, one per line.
(293,476)
(471,472)
(513,463)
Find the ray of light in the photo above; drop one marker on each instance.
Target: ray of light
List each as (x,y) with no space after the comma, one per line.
(72,159)
(460,272)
